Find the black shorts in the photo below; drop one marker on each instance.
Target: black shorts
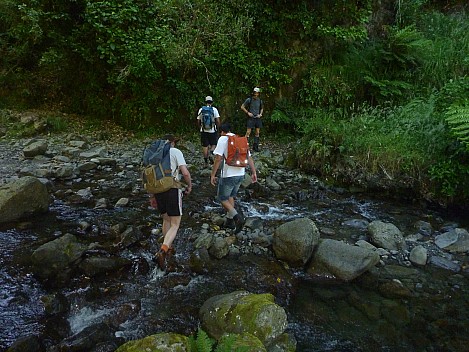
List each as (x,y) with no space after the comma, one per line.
(254,123)
(170,202)
(207,138)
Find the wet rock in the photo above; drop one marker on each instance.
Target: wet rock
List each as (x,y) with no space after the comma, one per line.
(159,342)
(242,342)
(461,245)
(444,263)
(130,236)
(219,248)
(89,338)
(122,202)
(395,289)
(424,228)
(418,255)
(55,304)
(243,312)
(54,260)
(446,239)
(294,241)
(386,235)
(344,261)
(37,147)
(97,266)
(27,195)
(30,343)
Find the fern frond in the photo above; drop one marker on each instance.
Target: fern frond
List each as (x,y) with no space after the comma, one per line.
(457,118)
(203,342)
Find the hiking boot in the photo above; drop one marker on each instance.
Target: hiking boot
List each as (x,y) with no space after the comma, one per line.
(160,258)
(210,160)
(255,147)
(239,221)
(229,224)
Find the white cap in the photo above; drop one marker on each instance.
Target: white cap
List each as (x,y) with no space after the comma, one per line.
(208,98)
(257,90)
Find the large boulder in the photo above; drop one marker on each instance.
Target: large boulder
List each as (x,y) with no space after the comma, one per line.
(243,312)
(22,197)
(386,235)
(342,260)
(294,241)
(53,260)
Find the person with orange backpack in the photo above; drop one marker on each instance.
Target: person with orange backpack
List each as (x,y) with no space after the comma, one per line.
(233,151)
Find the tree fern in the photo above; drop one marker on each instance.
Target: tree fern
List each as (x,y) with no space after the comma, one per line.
(457,117)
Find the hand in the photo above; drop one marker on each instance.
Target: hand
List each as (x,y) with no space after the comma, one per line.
(188,190)
(213,180)
(250,114)
(153,202)
(254,178)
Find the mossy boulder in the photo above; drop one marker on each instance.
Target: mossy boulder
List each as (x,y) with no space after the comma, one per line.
(241,342)
(243,312)
(164,342)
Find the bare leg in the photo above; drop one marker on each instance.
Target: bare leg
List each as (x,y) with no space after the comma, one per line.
(170,228)
(248,132)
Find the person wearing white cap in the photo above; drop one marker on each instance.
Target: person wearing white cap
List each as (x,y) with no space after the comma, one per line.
(208,118)
(253,107)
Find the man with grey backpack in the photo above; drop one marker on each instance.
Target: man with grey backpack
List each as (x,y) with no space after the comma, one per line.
(209,121)
(253,107)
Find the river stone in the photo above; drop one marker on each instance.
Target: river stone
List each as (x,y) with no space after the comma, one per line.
(446,239)
(344,261)
(164,342)
(423,227)
(294,241)
(418,255)
(89,338)
(53,259)
(35,148)
(243,312)
(30,343)
(444,263)
(461,244)
(386,235)
(219,248)
(96,266)
(242,342)
(27,195)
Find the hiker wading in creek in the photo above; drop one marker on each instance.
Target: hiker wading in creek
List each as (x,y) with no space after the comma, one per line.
(231,178)
(169,203)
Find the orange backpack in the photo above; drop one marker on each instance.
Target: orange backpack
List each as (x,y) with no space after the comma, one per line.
(238,151)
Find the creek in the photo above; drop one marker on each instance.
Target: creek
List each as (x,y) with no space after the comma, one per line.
(323,314)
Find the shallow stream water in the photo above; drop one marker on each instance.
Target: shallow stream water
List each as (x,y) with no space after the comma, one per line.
(323,315)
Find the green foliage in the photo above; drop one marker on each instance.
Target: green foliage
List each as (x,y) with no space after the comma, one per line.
(404,139)
(202,343)
(451,178)
(457,117)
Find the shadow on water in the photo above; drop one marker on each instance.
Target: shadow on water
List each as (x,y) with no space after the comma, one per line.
(322,315)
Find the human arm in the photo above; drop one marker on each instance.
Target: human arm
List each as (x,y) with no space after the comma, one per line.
(187,177)
(153,202)
(216,165)
(253,169)
(246,111)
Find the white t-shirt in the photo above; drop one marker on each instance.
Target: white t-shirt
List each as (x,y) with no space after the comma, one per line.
(177,159)
(216,115)
(222,149)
